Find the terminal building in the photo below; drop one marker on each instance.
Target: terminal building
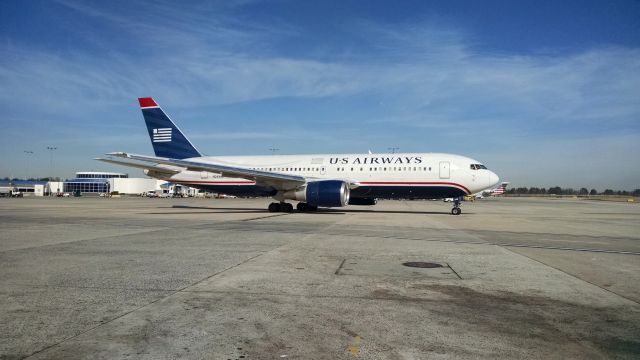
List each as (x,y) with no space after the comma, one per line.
(94,183)
(91,182)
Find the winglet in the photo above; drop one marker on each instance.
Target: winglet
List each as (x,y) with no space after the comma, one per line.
(147,102)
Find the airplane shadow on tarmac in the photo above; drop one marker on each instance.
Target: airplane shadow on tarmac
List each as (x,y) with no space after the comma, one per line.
(321,211)
(214,210)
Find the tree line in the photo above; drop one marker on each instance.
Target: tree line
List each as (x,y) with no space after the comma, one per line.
(557,190)
(6,178)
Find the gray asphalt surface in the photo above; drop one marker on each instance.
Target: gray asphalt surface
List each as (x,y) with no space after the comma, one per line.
(224,279)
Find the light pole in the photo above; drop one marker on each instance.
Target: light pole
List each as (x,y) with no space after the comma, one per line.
(393,149)
(28,153)
(51,150)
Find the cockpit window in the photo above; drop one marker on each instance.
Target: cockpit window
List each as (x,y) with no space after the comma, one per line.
(478,167)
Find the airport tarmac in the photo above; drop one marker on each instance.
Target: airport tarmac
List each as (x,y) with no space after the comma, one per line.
(224,279)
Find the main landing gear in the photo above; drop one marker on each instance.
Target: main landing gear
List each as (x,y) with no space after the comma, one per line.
(287,208)
(280,207)
(456,207)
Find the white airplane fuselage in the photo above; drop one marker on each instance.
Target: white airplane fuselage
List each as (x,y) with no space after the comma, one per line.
(400,175)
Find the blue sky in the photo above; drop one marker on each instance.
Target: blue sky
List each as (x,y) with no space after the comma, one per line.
(543,92)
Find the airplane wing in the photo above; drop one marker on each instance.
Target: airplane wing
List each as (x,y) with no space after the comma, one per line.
(277,180)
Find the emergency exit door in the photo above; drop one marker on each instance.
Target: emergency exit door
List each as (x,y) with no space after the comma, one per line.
(444,170)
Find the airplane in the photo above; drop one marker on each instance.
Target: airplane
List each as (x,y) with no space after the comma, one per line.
(493,192)
(315,180)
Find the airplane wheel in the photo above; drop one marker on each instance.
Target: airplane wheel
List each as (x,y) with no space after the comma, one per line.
(302,207)
(274,207)
(287,207)
(456,211)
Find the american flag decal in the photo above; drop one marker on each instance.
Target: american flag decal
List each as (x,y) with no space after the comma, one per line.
(162,135)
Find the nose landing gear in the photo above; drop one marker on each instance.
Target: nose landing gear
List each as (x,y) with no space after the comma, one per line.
(456,207)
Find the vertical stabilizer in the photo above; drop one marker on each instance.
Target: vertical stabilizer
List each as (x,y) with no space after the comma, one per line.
(166,138)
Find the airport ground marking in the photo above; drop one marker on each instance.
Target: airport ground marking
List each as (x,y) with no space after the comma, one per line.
(354,348)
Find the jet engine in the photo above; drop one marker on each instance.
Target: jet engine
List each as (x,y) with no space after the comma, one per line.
(324,193)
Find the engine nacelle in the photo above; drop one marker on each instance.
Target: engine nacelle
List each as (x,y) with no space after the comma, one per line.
(324,193)
(363,201)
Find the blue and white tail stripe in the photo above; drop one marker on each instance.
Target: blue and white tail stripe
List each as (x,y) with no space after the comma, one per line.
(166,138)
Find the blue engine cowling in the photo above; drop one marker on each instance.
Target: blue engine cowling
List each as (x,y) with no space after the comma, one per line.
(327,193)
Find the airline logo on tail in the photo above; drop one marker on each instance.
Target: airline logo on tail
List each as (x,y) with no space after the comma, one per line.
(162,135)
(501,189)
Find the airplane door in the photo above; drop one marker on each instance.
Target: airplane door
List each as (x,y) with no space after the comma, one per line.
(323,170)
(444,170)
(204,175)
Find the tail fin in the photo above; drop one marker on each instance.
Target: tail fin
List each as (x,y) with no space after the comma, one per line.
(166,138)
(501,189)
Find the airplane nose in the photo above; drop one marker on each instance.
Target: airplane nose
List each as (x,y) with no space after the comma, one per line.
(493,178)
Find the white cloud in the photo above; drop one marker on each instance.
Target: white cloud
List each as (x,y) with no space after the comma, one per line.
(426,76)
